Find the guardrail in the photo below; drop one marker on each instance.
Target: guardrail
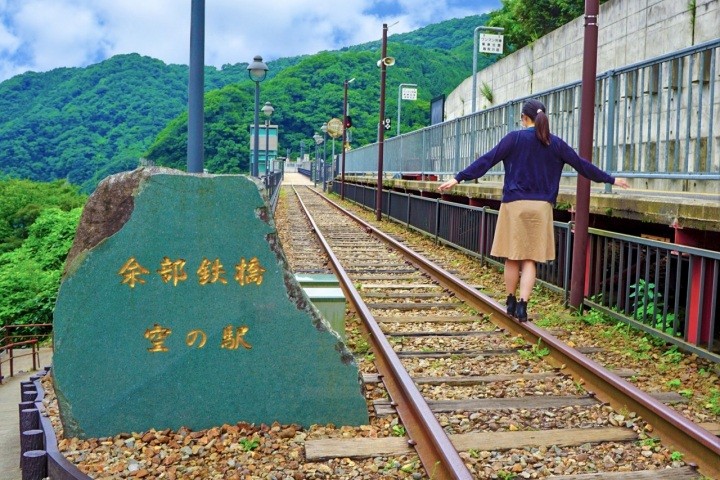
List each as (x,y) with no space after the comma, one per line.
(272,186)
(11,341)
(653,119)
(667,290)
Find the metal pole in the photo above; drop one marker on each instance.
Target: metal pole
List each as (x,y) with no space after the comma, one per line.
(587,116)
(324,162)
(381,126)
(267,146)
(315,177)
(344,138)
(195,151)
(256,133)
(474,72)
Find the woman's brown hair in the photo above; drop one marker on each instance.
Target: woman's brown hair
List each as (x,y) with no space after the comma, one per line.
(535,110)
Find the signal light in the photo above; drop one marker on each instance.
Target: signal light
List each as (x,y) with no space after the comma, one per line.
(348,122)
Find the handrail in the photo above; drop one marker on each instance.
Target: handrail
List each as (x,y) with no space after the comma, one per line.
(10,341)
(10,348)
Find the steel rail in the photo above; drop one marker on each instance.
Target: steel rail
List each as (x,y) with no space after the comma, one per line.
(437,453)
(697,444)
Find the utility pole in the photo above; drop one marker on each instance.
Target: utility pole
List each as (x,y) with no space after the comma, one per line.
(587,118)
(381,125)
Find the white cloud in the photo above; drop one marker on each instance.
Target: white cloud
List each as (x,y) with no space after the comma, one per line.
(44,34)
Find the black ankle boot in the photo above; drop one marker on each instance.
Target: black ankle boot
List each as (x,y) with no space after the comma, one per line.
(521,311)
(511,302)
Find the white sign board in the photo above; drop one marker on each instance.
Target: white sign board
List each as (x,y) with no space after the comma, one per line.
(409,93)
(490,43)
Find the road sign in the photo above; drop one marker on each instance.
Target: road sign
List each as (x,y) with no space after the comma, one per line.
(386,124)
(490,43)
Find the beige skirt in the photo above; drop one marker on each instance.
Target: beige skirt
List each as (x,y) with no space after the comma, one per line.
(524,231)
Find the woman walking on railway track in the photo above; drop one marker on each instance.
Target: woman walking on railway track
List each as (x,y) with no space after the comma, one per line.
(533,159)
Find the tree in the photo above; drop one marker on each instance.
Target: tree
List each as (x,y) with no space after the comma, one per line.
(525,21)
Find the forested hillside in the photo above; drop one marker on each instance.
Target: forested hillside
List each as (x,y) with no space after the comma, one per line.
(82,124)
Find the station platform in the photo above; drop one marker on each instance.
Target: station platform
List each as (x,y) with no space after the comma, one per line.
(688,218)
(295,178)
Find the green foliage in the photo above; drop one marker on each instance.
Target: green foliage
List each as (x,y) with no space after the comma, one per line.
(536,352)
(525,21)
(712,402)
(674,383)
(398,431)
(30,274)
(649,307)
(22,202)
(37,226)
(249,444)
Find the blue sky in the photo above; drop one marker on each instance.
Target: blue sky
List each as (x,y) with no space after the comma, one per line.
(39,35)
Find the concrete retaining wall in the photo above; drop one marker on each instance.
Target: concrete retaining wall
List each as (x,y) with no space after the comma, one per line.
(630,31)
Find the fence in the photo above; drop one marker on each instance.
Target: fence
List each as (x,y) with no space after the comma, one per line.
(654,119)
(665,289)
(17,341)
(272,184)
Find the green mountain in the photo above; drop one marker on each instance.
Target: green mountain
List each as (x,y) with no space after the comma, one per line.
(82,124)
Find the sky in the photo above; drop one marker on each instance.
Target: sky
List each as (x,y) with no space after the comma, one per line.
(40,35)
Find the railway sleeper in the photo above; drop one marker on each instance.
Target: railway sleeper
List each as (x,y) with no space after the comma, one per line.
(385,407)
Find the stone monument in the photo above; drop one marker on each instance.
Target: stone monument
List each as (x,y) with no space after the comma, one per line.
(177,308)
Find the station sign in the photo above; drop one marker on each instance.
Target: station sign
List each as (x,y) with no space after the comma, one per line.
(490,43)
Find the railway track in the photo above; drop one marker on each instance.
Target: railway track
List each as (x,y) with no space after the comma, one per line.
(479,395)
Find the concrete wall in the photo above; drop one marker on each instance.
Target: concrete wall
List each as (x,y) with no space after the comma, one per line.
(630,31)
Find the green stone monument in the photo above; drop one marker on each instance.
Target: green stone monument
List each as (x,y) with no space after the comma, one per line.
(177,308)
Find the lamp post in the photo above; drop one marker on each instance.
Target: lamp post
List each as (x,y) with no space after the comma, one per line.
(412,96)
(257,71)
(475,60)
(196,80)
(267,111)
(324,129)
(318,140)
(344,137)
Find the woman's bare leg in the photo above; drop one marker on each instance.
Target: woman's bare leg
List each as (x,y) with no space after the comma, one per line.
(527,280)
(512,275)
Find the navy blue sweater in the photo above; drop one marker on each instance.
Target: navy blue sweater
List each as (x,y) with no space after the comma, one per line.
(532,170)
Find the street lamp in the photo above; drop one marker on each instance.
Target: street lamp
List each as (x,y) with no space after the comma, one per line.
(267,111)
(257,71)
(324,129)
(344,137)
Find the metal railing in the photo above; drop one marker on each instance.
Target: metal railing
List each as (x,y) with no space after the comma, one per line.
(17,341)
(665,289)
(272,184)
(652,119)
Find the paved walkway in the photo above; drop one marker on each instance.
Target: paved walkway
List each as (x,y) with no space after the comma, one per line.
(9,416)
(295,178)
